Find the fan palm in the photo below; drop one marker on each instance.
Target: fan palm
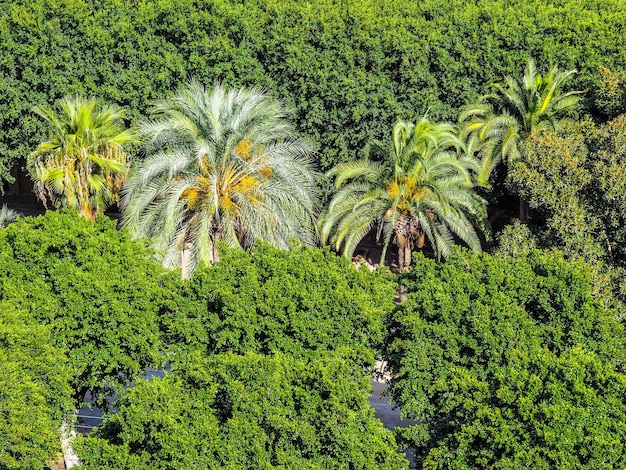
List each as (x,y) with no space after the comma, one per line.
(222,166)
(499,124)
(419,189)
(83,164)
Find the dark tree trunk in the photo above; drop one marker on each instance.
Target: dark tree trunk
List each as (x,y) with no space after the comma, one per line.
(523,210)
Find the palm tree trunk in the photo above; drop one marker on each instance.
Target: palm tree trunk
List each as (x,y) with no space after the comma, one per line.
(407,256)
(383,255)
(400,257)
(185,261)
(403,240)
(404,252)
(215,254)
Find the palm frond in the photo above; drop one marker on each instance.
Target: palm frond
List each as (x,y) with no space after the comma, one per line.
(82,163)
(229,167)
(431,179)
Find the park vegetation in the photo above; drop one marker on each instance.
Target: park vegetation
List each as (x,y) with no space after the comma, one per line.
(83,164)
(222,166)
(515,362)
(283,339)
(244,135)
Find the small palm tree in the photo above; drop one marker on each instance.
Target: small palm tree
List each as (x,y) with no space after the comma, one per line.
(499,124)
(7,216)
(83,164)
(222,166)
(419,189)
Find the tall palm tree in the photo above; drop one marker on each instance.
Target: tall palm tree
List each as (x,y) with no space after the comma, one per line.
(222,165)
(499,124)
(420,188)
(83,164)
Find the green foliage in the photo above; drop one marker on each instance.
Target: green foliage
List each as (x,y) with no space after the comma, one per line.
(516,239)
(348,68)
(35,394)
(270,353)
(304,302)
(96,290)
(223,165)
(610,97)
(237,412)
(501,122)
(575,179)
(106,307)
(509,363)
(34,388)
(83,164)
(419,188)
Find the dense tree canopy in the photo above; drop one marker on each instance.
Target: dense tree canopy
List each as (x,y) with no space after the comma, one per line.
(86,309)
(348,68)
(35,395)
(96,290)
(235,412)
(509,363)
(304,302)
(514,360)
(575,179)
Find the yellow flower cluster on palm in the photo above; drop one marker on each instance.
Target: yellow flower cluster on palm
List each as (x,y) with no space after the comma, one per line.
(222,166)
(419,189)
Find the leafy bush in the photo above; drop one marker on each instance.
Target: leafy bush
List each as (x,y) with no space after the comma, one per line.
(509,363)
(610,96)
(302,302)
(236,412)
(97,291)
(349,69)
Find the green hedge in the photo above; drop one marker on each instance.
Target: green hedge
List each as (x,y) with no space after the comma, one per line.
(509,363)
(347,68)
(247,412)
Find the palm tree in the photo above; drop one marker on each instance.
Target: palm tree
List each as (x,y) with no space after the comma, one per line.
(419,189)
(83,164)
(7,216)
(222,165)
(499,124)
